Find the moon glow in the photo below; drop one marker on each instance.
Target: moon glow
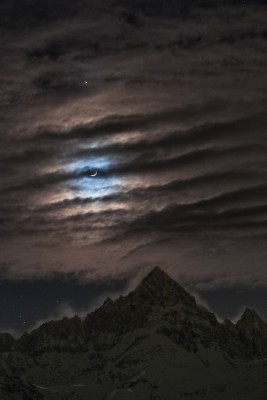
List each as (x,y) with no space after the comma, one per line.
(87,180)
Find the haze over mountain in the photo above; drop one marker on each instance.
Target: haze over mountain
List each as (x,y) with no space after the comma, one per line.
(154,343)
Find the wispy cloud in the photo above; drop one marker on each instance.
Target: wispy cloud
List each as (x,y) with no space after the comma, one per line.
(170,116)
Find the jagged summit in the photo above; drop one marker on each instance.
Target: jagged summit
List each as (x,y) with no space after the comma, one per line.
(6,341)
(250,314)
(156,273)
(251,321)
(155,296)
(158,278)
(158,304)
(253,333)
(155,335)
(158,288)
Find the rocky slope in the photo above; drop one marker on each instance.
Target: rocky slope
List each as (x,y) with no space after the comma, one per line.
(158,302)
(154,343)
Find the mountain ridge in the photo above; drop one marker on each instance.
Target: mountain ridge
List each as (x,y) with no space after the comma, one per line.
(159,303)
(154,343)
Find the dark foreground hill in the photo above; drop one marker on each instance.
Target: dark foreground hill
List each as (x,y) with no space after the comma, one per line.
(154,343)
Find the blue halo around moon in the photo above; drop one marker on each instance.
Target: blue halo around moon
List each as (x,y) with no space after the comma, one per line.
(97,182)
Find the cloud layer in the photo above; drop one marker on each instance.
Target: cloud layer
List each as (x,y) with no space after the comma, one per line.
(169,112)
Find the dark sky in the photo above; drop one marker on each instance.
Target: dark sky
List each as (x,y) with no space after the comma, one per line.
(133,134)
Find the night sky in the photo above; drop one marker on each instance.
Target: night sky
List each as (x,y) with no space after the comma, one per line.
(133,134)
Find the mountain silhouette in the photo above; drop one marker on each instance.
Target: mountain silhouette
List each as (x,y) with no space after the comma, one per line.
(158,302)
(122,346)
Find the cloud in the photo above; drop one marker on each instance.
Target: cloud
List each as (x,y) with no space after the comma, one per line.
(176,109)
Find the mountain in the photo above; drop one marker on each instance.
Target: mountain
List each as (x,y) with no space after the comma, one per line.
(158,303)
(66,334)
(253,333)
(154,343)
(145,305)
(7,342)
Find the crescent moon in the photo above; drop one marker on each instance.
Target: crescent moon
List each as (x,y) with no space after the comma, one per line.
(94,174)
